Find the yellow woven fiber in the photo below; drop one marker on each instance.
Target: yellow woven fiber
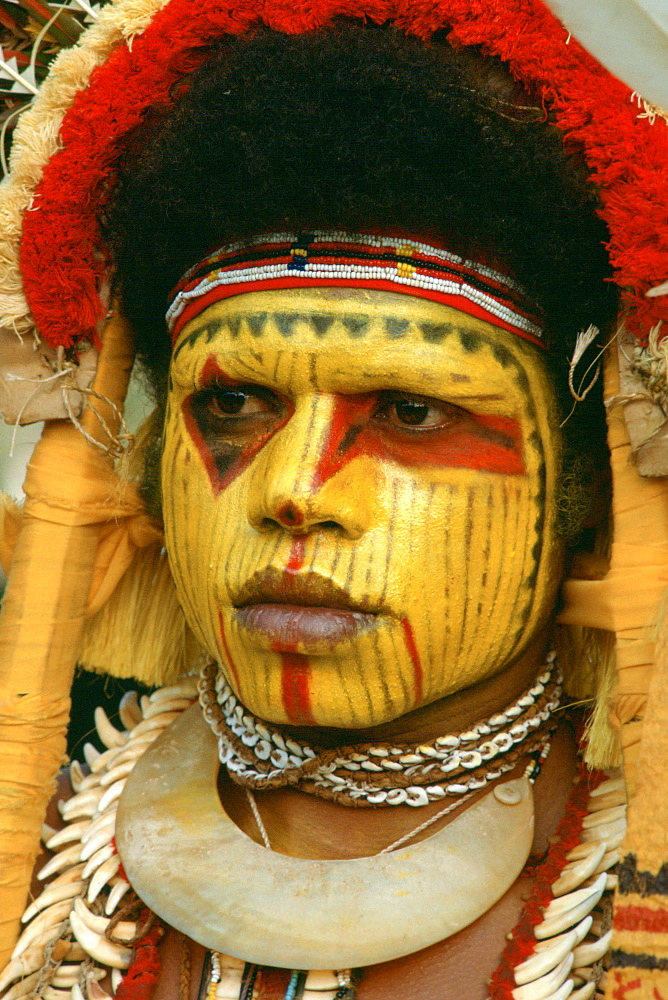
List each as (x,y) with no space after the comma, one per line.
(626,601)
(42,618)
(141,631)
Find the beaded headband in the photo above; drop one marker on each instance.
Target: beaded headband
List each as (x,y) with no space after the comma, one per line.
(291,260)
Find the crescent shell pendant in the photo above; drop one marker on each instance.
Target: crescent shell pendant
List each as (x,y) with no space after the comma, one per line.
(189,862)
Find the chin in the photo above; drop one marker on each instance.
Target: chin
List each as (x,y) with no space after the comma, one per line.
(326,712)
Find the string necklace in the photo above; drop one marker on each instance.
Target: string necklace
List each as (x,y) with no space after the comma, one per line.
(531,772)
(337,984)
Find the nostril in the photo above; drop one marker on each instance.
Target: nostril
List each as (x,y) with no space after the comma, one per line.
(330,525)
(271,524)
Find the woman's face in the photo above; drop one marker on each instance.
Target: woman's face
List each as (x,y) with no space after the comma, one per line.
(358,493)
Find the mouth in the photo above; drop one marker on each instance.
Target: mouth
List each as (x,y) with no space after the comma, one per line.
(289,612)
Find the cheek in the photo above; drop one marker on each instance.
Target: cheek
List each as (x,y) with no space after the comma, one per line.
(190,517)
(463,557)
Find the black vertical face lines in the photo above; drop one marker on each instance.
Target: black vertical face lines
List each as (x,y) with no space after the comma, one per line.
(367,576)
(521,609)
(429,520)
(390,539)
(277,364)
(336,560)
(313,370)
(309,431)
(486,552)
(351,568)
(471,495)
(378,658)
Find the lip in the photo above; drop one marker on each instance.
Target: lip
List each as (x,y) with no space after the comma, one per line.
(288,626)
(299,612)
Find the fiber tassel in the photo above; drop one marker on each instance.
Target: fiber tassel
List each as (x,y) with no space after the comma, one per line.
(130,636)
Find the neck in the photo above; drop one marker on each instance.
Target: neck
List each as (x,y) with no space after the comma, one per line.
(304,826)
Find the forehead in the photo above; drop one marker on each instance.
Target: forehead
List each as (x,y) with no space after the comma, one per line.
(356,340)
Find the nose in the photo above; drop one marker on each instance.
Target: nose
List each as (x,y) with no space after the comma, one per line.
(292,492)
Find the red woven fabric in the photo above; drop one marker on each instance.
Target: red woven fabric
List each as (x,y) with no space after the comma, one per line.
(61,256)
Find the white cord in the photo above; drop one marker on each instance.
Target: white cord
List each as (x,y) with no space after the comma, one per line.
(258,819)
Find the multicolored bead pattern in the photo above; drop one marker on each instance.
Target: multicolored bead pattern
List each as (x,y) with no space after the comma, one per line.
(284,260)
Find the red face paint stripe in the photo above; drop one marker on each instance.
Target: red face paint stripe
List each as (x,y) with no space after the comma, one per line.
(483,442)
(210,376)
(348,411)
(296,688)
(296,557)
(455,301)
(640,918)
(226,651)
(411,646)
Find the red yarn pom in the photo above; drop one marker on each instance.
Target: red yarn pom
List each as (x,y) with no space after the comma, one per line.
(62,257)
(139,981)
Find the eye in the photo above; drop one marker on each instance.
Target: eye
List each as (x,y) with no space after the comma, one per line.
(226,412)
(236,402)
(408,411)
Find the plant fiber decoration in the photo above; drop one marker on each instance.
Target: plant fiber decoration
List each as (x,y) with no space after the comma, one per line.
(62,258)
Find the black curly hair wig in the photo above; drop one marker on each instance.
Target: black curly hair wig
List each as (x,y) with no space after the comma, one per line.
(362,128)
(365,129)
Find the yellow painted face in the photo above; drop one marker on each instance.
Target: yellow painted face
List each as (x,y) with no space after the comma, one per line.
(358,499)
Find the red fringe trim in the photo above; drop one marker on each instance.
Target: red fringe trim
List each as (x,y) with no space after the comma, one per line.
(61,256)
(139,981)
(522,942)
